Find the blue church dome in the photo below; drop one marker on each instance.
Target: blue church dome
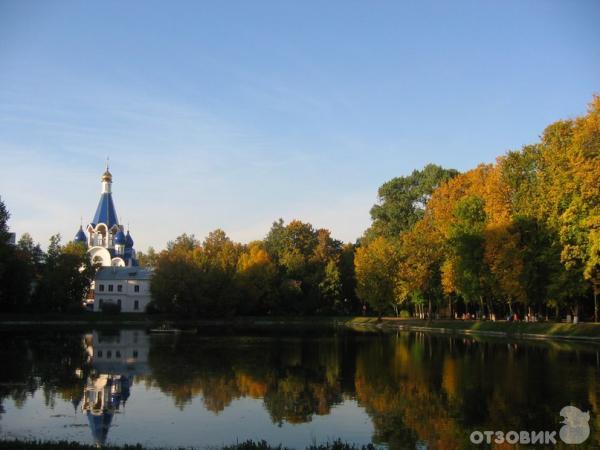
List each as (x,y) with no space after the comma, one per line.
(120,238)
(80,236)
(128,240)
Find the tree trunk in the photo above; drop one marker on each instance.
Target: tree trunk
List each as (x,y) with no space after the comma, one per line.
(482,310)
(429,309)
(491,314)
(595,305)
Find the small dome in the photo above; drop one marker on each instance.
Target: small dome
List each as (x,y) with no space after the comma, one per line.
(80,236)
(107,176)
(129,240)
(120,238)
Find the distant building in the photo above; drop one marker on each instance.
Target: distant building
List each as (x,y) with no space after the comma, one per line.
(128,287)
(12,239)
(119,279)
(108,243)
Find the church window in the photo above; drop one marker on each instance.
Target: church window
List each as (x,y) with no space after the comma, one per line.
(120,288)
(101,287)
(136,288)
(110,288)
(136,306)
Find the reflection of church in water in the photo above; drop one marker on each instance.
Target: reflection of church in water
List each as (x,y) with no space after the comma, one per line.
(116,359)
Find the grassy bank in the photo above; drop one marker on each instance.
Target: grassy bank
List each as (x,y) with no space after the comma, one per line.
(248,445)
(500,328)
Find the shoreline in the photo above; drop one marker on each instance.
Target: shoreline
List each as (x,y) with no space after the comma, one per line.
(581,332)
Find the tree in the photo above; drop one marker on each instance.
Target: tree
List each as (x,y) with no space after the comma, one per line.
(183,242)
(257,279)
(376,267)
(330,287)
(402,200)
(4,216)
(175,284)
(580,221)
(467,243)
(17,269)
(66,276)
(148,259)
(421,250)
(348,277)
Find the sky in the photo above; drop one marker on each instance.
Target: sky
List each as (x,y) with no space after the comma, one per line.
(231,114)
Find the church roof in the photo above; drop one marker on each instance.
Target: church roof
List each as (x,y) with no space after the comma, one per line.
(80,236)
(120,238)
(128,240)
(106,213)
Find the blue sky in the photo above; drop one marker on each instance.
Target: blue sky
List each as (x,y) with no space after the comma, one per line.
(232,114)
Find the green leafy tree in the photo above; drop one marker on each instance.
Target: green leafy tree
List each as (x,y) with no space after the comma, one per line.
(17,268)
(331,288)
(467,242)
(65,278)
(402,200)
(149,258)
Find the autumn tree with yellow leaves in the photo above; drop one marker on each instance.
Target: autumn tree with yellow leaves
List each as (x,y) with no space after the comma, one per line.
(521,235)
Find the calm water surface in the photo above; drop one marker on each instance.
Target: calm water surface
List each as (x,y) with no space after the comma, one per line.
(294,386)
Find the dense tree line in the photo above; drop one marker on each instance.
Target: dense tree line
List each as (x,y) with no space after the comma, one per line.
(296,269)
(518,236)
(32,280)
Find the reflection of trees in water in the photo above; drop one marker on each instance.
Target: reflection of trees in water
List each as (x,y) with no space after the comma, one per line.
(438,390)
(414,387)
(296,378)
(53,362)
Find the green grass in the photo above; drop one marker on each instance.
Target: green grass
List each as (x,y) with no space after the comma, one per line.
(247,445)
(582,329)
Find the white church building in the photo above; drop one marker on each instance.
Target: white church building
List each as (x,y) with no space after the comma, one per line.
(119,279)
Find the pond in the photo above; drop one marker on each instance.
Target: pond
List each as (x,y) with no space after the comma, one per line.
(295,386)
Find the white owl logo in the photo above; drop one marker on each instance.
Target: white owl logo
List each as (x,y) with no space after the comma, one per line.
(576,428)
